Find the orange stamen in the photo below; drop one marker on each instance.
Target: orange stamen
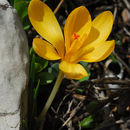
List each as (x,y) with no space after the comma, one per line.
(76,36)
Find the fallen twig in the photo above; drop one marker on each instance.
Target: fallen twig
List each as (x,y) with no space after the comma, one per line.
(126,31)
(123,88)
(61,103)
(115,12)
(110,81)
(127,4)
(69,108)
(58,6)
(73,112)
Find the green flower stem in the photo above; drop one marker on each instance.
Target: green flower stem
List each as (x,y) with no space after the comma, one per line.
(51,97)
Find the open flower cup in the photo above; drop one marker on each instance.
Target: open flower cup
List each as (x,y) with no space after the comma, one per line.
(83,39)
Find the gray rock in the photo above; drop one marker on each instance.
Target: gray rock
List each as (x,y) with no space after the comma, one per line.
(14,63)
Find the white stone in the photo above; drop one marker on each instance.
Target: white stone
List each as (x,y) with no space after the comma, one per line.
(4,2)
(14,63)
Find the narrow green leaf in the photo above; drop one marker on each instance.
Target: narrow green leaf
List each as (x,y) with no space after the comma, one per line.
(25,126)
(41,61)
(87,122)
(22,8)
(26,22)
(36,90)
(38,67)
(34,106)
(40,64)
(45,77)
(31,52)
(79,90)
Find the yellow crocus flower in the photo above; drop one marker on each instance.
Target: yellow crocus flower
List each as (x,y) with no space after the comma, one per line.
(83,40)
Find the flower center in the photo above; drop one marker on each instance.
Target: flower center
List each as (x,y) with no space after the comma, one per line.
(76,36)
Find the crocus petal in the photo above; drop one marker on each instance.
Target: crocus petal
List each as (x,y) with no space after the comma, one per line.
(78,22)
(76,57)
(99,53)
(72,71)
(44,21)
(77,44)
(74,49)
(45,49)
(101,28)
